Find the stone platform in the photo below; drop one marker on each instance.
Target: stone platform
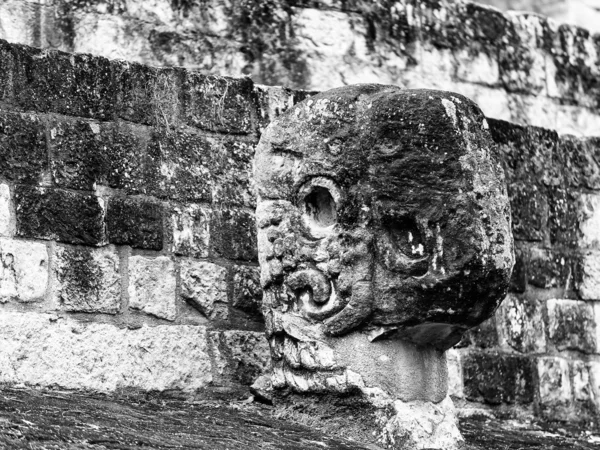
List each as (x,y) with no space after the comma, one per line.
(53,419)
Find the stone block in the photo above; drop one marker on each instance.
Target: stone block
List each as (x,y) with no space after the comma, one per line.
(554,384)
(476,67)
(578,158)
(70,84)
(23,271)
(6,221)
(219,104)
(563,208)
(41,349)
(204,285)
(231,173)
(275,100)
(190,226)
(518,279)
(455,377)
(594,377)
(233,235)
(185,164)
(589,285)
(240,356)
(529,208)
(148,95)
(497,378)
(484,335)
(77,160)
(571,325)
(65,216)
(522,325)
(152,286)
(551,269)
(87,280)
(135,222)
(580,381)
(589,222)
(247,292)
(23,154)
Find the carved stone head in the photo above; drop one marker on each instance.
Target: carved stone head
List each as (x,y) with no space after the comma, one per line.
(382,213)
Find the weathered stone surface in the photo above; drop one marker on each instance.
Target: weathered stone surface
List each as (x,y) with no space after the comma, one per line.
(185,162)
(580,382)
(552,269)
(484,335)
(23,154)
(232,173)
(571,325)
(240,356)
(152,284)
(70,84)
(23,271)
(578,159)
(190,225)
(594,373)
(135,222)
(71,217)
(589,223)
(563,217)
(518,280)
(589,285)
(6,220)
(204,285)
(218,103)
(497,378)
(521,320)
(41,349)
(554,385)
(87,280)
(232,235)
(247,293)
(455,375)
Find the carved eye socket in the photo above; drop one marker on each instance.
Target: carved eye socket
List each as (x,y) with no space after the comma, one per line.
(319,207)
(405,237)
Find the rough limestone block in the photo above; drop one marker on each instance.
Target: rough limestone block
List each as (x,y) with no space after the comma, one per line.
(87,280)
(232,168)
(239,355)
(5,211)
(233,235)
(65,216)
(23,154)
(275,100)
(589,285)
(204,285)
(184,166)
(498,378)
(594,374)
(476,68)
(578,158)
(152,283)
(554,382)
(41,349)
(247,292)
(455,376)
(135,222)
(522,324)
(589,223)
(219,104)
(23,270)
(563,217)
(190,225)
(580,381)
(518,279)
(571,325)
(551,269)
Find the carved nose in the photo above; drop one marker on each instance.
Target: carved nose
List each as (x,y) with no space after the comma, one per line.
(316,297)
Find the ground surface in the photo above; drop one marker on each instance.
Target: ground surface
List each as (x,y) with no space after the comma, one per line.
(51,419)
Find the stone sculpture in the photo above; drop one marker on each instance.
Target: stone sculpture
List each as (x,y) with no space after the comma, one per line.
(384,234)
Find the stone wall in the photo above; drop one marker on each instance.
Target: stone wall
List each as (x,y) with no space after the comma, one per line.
(518,67)
(128,248)
(127,237)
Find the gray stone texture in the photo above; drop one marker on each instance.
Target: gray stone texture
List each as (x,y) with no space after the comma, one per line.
(87,280)
(23,271)
(190,226)
(43,349)
(204,285)
(572,325)
(6,225)
(152,286)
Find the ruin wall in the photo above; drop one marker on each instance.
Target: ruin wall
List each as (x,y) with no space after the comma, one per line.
(518,67)
(128,244)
